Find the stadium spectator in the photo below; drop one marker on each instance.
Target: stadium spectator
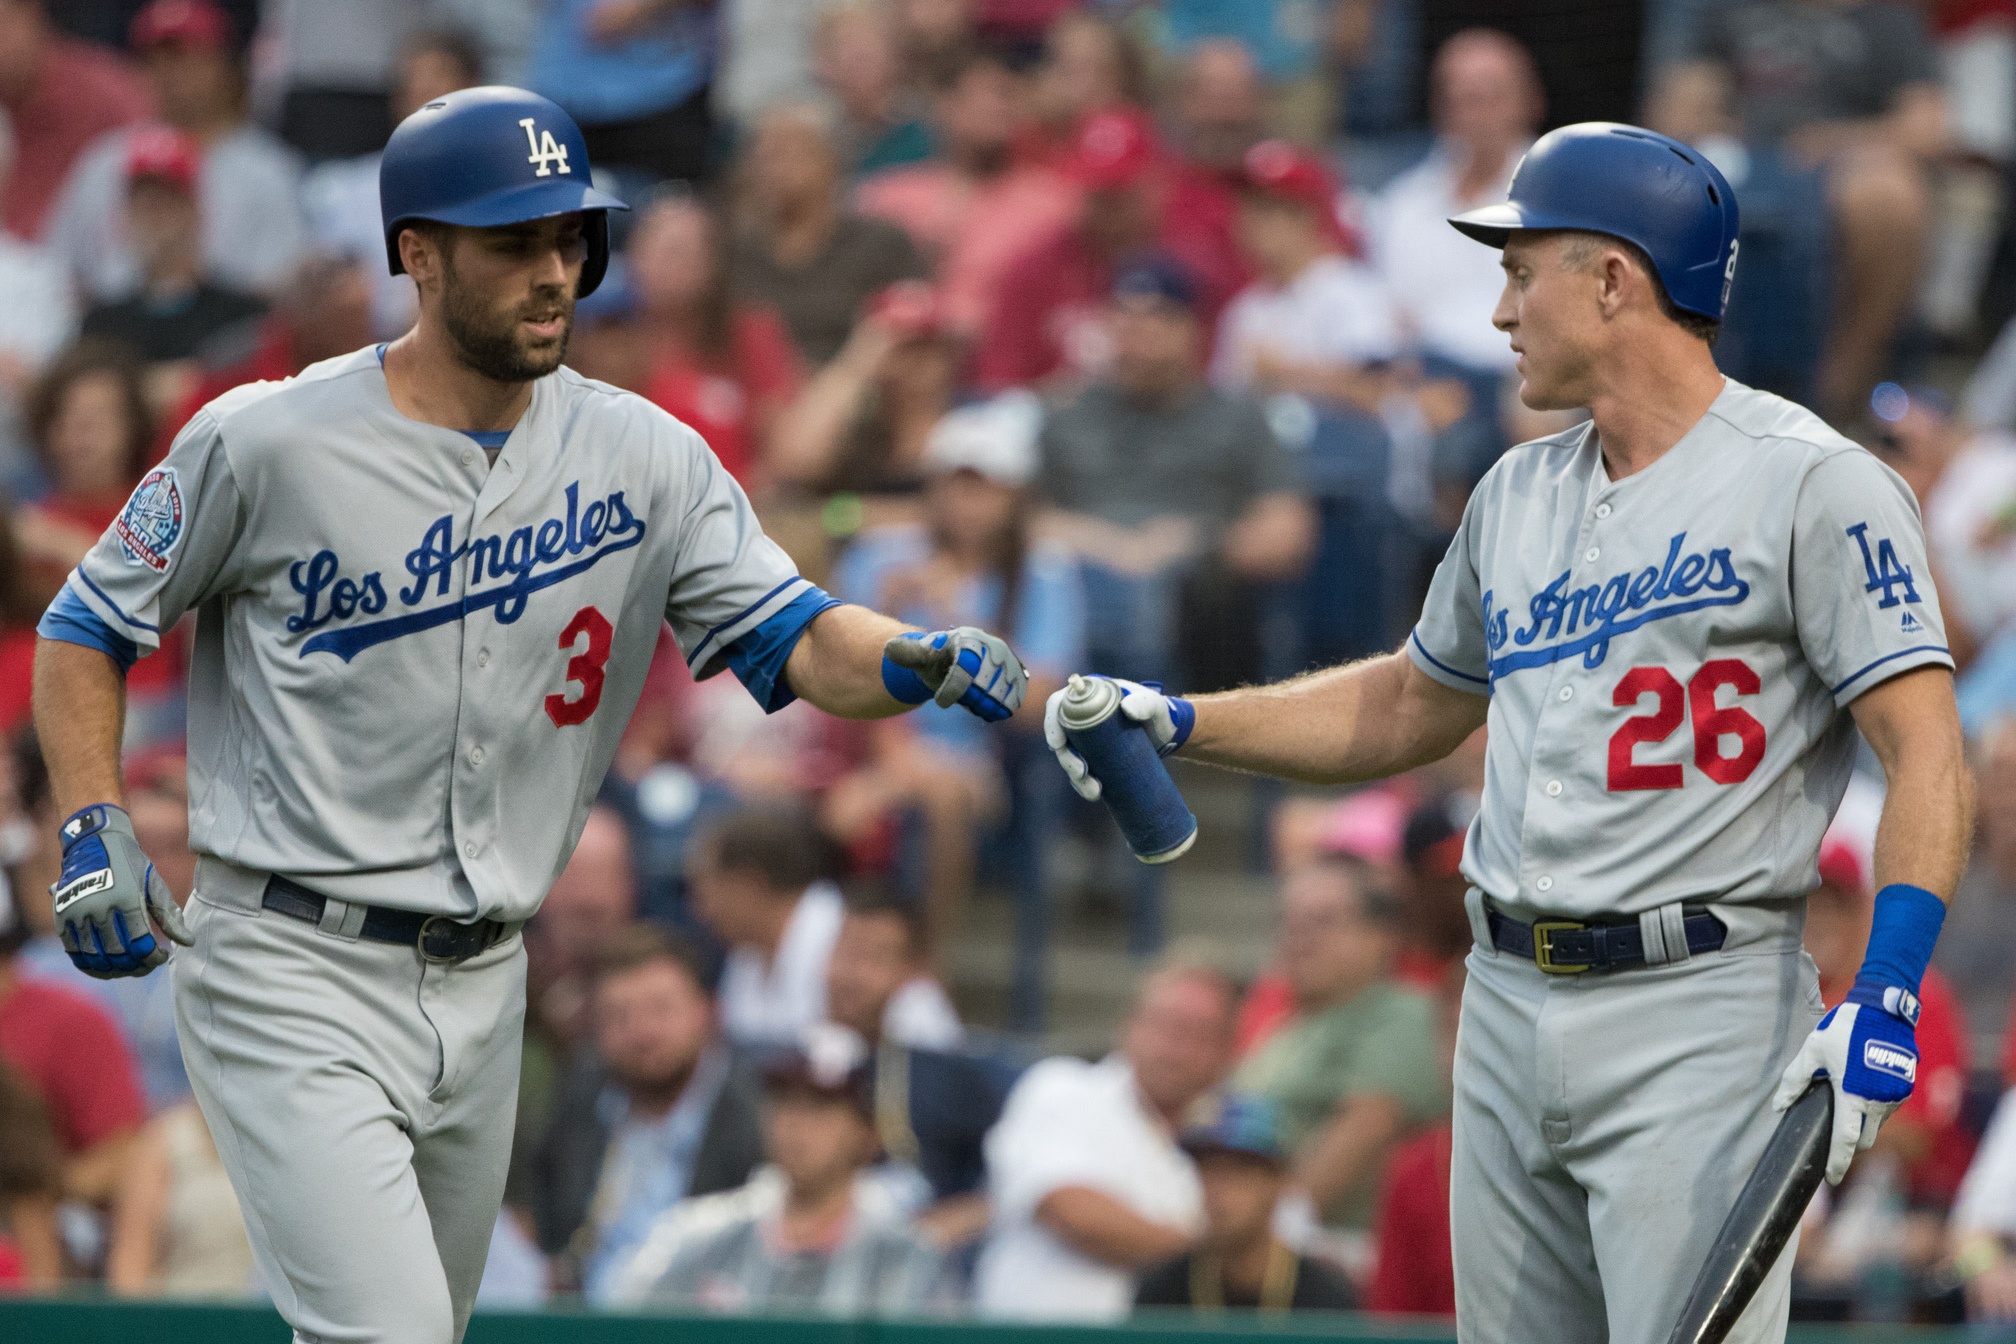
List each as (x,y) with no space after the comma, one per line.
(92,434)
(1152,472)
(38,313)
(61,94)
(70,1052)
(333,66)
(1290,42)
(656,1112)
(339,198)
(758,880)
(1978,957)
(1415,1270)
(882,123)
(1242,1168)
(194,1232)
(1982,1230)
(879,982)
(934,36)
(593,899)
(766,56)
(635,75)
(248,185)
(968,561)
(1218,117)
(1849,91)
(800,251)
(1088,1185)
(808,1232)
(1052,321)
(1435,927)
(1486,99)
(973,210)
(31,1176)
(20,610)
(323,311)
(864,420)
(1089,66)
(1356,1070)
(725,367)
(180,313)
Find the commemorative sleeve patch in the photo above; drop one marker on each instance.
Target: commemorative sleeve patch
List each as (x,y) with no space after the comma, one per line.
(151,523)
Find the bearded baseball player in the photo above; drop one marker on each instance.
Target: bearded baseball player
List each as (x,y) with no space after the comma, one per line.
(428,579)
(1673,618)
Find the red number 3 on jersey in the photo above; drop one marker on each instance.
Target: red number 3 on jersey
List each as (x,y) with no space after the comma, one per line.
(1712,723)
(584,667)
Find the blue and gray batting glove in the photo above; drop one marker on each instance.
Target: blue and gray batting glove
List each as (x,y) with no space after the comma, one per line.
(963,666)
(1167,720)
(109,898)
(1867,1047)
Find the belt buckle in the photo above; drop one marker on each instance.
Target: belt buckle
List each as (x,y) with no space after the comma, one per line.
(1543,945)
(427,930)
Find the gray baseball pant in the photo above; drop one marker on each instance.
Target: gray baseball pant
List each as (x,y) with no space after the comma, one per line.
(363,1104)
(1603,1125)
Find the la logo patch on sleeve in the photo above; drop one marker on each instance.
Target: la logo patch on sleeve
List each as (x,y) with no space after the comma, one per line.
(151,523)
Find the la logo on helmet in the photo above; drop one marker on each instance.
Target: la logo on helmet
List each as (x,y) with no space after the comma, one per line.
(546,151)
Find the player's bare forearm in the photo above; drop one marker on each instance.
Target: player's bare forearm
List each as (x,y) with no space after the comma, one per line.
(80,716)
(1360,721)
(1928,805)
(838,663)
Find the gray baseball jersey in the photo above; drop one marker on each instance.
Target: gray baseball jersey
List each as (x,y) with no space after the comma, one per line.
(1667,655)
(411,666)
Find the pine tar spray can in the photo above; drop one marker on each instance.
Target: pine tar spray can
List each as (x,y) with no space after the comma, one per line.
(1133,782)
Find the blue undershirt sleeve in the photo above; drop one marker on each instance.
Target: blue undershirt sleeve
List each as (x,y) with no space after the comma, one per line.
(70,621)
(758,657)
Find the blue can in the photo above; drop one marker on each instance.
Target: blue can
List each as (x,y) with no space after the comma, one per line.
(1133,782)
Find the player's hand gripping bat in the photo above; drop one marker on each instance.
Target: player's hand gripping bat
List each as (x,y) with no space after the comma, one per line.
(1767,1208)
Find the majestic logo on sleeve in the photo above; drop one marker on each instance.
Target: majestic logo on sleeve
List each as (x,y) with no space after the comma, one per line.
(151,523)
(514,566)
(1564,622)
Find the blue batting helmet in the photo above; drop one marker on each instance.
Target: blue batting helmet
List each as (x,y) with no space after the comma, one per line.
(487,156)
(1633,184)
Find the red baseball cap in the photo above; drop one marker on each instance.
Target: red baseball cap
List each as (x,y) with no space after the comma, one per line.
(1841,865)
(194,23)
(1114,149)
(164,154)
(1278,168)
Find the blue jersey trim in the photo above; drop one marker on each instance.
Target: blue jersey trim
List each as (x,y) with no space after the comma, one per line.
(488,438)
(68,619)
(694,660)
(758,657)
(106,598)
(1416,637)
(1915,648)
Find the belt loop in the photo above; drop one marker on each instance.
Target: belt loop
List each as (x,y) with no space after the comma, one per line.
(1652,935)
(1674,919)
(342,919)
(1480,922)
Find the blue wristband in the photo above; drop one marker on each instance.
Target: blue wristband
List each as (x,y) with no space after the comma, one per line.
(1184,715)
(1901,937)
(903,685)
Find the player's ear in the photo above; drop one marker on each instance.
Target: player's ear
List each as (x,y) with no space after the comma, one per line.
(420,254)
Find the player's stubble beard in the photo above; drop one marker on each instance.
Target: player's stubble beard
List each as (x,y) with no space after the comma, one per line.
(488,342)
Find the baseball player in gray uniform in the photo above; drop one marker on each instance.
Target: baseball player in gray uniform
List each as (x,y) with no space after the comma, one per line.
(1672,618)
(428,579)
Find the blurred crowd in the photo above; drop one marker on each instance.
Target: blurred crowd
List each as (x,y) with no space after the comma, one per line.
(1130,329)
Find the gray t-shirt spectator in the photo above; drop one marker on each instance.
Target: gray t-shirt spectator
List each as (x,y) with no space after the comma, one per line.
(1205,457)
(249,191)
(1796,62)
(820,300)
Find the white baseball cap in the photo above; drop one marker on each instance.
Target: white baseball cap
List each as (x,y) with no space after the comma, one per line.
(996,438)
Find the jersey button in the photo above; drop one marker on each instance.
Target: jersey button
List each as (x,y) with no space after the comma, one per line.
(470,849)
(1567,692)
(1602,510)
(1553,788)
(475,755)
(1544,884)
(468,456)
(482,657)
(1591,554)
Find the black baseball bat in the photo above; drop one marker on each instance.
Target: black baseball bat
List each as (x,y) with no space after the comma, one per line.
(1767,1209)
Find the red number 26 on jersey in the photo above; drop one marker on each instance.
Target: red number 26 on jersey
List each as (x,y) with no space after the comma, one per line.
(1712,723)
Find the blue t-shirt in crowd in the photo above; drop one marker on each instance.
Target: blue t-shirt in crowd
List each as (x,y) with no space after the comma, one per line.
(1047,634)
(623,81)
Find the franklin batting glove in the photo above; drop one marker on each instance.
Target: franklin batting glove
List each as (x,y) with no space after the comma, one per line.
(1167,719)
(108,897)
(964,666)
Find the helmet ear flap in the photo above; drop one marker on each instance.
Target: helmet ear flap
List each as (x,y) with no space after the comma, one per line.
(595,234)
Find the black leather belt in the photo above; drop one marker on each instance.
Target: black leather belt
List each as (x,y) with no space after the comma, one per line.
(1569,947)
(436,938)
